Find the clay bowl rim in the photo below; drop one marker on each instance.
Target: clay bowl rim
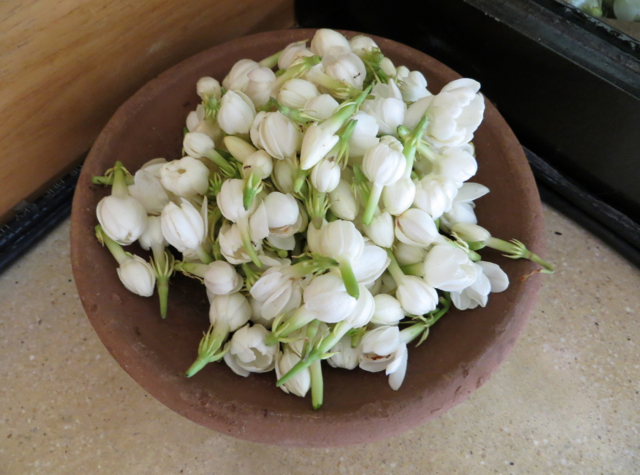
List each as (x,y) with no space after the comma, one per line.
(372,421)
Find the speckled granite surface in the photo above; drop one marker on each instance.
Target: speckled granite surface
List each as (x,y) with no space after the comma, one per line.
(565,401)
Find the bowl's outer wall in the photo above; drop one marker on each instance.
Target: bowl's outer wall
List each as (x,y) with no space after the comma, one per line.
(458,357)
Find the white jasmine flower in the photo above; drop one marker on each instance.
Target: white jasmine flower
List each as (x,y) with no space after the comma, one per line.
(325,176)
(413,87)
(416,227)
(184,227)
(295,93)
(384,350)
(346,67)
(326,296)
(455,113)
(123,218)
(326,42)
(416,296)
(397,198)
(361,44)
(345,356)
(435,195)
(238,77)
(236,113)
(293,52)
(186,177)
(137,275)
(301,382)
(387,107)
(249,353)
(276,134)
(259,86)
(343,202)
(388,310)
(221,278)
(321,107)
(407,254)
(449,269)
(364,135)
(381,230)
(148,190)
(208,88)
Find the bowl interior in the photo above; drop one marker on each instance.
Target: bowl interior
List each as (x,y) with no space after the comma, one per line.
(458,357)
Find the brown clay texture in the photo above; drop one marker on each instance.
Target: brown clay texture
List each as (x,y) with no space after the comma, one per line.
(462,351)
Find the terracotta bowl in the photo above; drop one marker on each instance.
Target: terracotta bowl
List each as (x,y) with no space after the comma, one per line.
(464,348)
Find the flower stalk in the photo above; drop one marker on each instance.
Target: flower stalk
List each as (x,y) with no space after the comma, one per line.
(208,348)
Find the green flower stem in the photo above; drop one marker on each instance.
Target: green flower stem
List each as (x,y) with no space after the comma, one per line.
(310,337)
(338,89)
(356,336)
(319,352)
(245,234)
(344,112)
(209,346)
(317,206)
(394,269)
(119,187)
(317,385)
(116,250)
(311,266)
(372,60)
(163,264)
(473,255)
(340,151)
(411,142)
(413,269)
(300,179)
(162,284)
(438,314)
(295,70)
(108,180)
(372,204)
(251,276)
(203,255)
(296,115)
(193,268)
(427,152)
(271,61)
(252,186)
(296,322)
(270,106)
(349,279)
(222,162)
(414,331)
(516,250)
(361,183)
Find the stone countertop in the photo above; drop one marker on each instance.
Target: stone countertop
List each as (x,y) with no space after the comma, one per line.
(565,401)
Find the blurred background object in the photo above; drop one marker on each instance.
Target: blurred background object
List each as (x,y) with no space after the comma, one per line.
(66,66)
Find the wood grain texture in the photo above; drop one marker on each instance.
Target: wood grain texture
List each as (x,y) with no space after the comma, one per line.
(66,66)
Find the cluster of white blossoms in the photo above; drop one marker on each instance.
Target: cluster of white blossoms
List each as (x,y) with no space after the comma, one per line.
(322,205)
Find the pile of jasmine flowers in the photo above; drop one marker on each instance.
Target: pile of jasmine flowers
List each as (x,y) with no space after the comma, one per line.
(323,206)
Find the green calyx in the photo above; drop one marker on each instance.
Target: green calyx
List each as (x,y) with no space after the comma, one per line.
(208,350)
(251,276)
(297,69)
(517,250)
(372,60)
(116,249)
(163,264)
(319,351)
(317,205)
(252,186)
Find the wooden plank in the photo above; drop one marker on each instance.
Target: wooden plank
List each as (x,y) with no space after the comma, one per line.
(66,65)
